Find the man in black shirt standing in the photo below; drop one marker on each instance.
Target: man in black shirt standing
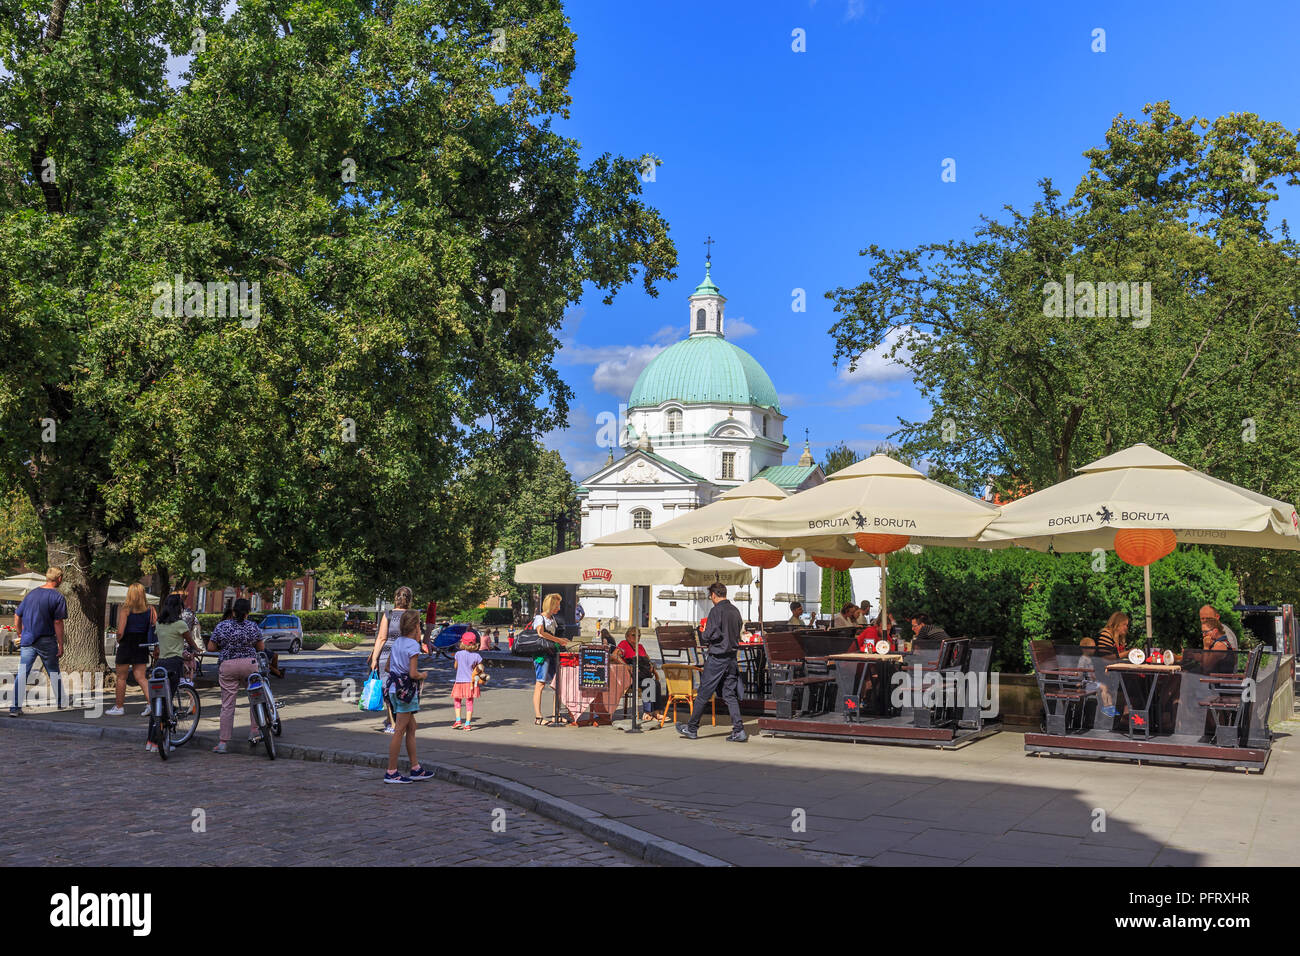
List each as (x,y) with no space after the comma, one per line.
(721,673)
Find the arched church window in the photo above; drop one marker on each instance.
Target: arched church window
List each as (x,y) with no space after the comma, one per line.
(674,421)
(641,519)
(764,426)
(699,321)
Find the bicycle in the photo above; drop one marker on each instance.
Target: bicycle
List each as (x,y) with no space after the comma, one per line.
(173,714)
(266,713)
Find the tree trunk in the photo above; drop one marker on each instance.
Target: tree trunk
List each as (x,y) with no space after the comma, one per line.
(83,631)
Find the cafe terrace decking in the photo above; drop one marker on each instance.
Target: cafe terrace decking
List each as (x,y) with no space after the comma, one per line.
(817,685)
(1207,708)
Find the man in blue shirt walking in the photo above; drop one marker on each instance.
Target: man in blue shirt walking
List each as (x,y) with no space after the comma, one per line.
(39,619)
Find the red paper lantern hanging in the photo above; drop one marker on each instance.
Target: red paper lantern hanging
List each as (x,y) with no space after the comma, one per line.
(1143,546)
(833,564)
(761,557)
(881,543)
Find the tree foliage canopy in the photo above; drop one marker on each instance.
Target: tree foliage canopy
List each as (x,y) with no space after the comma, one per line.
(386,175)
(1173,319)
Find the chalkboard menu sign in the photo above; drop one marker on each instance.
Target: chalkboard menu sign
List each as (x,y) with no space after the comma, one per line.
(593,667)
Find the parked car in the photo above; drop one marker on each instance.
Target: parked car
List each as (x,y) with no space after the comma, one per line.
(282,632)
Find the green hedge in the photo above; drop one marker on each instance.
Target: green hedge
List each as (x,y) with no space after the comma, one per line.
(1015,596)
(487,616)
(311,620)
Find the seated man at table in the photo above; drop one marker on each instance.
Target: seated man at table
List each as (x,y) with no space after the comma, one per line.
(796,614)
(846,616)
(923,630)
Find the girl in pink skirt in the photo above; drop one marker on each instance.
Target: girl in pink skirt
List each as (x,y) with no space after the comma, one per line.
(466,687)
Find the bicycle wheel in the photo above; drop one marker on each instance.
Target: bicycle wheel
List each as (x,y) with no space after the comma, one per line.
(264,727)
(158,736)
(185,710)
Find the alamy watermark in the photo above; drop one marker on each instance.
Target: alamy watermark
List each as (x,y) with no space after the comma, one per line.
(1098,300)
(914,687)
(175,297)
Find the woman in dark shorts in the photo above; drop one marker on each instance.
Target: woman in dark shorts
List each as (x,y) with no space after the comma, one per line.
(135,625)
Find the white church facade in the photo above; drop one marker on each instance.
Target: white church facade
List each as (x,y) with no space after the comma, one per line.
(703,417)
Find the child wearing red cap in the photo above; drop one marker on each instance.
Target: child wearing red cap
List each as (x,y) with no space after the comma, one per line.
(466,687)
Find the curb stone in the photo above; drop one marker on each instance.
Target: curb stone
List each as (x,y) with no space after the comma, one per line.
(628,839)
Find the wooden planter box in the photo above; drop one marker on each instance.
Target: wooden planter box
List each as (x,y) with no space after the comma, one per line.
(1019,701)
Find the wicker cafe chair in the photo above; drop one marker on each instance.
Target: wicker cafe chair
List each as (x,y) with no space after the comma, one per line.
(680,679)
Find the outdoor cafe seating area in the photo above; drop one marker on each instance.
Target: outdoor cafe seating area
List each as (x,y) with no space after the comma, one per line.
(818,684)
(1200,707)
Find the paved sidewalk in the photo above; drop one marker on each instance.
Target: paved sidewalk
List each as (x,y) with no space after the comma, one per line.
(122,806)
(783,801)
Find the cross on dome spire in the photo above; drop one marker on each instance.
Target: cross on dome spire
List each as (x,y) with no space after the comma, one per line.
(707,300)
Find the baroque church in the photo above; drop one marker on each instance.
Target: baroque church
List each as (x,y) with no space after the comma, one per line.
(703,418)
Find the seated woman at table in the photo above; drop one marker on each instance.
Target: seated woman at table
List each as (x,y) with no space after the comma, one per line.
(629,648)
(1110,642)
(1104,699)
(1215,638)
(868,636)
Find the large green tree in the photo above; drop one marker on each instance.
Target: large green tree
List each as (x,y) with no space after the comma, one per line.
(385,180)
(1158,304)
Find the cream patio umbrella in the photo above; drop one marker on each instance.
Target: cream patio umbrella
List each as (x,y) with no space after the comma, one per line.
(881,505)
(631,557)
(117,593)
(709,529)
(15,588)
(1141,503)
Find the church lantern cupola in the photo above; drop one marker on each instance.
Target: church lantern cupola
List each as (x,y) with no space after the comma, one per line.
(706,307)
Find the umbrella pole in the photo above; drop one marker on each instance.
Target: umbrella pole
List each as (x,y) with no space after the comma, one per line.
(1146,581)
(884,600)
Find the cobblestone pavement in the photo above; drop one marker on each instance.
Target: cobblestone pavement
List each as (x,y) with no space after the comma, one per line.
(103,803)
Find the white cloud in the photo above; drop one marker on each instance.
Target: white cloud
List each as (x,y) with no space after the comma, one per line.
(862,394)
(873,427)
(856,9)
(738,328)
(667,335)
(616,366)
(790,399)
(576,443)
(874,365)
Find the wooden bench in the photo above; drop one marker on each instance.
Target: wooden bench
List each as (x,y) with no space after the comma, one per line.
(794,675)
(1229,704)
(1063,688)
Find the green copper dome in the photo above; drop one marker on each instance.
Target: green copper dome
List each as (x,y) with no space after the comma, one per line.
(704,369)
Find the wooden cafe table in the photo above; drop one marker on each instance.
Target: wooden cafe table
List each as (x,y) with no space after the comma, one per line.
(1135,679)
(850,679)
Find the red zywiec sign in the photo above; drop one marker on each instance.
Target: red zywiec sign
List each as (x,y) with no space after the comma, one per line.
(597,574)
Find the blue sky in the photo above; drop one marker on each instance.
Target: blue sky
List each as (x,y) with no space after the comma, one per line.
(794,162)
